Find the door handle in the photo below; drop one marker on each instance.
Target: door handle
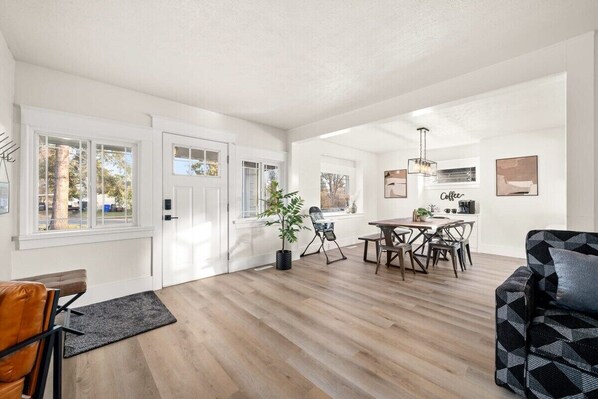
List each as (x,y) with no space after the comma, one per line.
(169,217)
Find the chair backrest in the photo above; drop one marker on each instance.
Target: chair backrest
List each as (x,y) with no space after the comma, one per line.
(462,230)
(315,214)
(540,262)
(22,306)
(317,220)
(448,232)
(468,229)
(387,233)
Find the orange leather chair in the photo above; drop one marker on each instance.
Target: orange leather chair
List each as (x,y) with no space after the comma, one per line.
(27,337)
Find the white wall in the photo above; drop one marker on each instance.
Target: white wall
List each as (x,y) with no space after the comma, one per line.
(305,162)
(504,221)
(7,71)
(116,267)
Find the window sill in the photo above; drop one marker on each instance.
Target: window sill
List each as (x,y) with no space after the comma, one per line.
(64,238)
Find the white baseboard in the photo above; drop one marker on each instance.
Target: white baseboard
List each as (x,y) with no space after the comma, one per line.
(116,289)
(502,250)
(252,261)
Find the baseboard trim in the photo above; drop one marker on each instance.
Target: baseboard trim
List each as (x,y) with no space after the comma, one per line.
(252,261)
(502,250)
(116,289)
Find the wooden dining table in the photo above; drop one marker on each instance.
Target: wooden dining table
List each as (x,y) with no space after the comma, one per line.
(432,224)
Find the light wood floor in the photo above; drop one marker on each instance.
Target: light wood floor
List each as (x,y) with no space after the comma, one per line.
(313,332)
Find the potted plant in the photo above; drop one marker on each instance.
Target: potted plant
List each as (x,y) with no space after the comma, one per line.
(421,215)
(285,210)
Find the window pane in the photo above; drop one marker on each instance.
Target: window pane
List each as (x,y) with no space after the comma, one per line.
(212,163)
(62,184)
(195,162)
(334,192)
(250,190)
(114,185)
(270,173)
(197,155)
(181,152)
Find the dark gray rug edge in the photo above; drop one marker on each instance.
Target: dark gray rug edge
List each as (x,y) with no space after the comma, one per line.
(171,320)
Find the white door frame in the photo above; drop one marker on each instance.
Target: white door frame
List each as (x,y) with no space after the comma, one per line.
(162,125)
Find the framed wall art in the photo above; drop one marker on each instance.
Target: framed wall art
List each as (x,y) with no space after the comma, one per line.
(517,176)
(395,183)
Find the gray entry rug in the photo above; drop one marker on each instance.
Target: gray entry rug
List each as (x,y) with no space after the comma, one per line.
(106,322)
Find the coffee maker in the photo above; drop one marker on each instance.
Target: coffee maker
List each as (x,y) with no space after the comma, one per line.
(467,206)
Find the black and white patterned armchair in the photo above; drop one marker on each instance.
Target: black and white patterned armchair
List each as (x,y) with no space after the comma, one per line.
(543,351)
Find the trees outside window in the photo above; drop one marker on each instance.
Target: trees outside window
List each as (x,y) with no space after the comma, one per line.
(64,184)
(334,192)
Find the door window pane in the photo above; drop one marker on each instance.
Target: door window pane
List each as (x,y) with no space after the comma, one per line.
(114,185)
(197,155)
(195,162)
(62,185)
(212,163)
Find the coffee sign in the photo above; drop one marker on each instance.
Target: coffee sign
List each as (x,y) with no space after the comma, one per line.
(451,195)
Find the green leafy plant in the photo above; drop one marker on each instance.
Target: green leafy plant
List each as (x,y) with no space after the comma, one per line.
(423,212)
(287,210)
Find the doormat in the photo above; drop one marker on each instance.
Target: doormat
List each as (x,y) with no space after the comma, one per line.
(106,322)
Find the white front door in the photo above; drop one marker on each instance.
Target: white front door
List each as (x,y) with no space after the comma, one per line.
(195,228)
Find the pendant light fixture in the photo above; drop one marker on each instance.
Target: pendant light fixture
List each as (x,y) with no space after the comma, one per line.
(422,165)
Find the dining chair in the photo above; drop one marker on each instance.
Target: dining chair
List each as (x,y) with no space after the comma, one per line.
(445,242)
(400,248)
(463,234)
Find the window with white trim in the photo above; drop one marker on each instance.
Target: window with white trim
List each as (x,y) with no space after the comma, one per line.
(256,177)
(84,183)
(338,184)
(334,192)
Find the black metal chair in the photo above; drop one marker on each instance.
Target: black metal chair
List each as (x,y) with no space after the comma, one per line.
(400,249)
(445,242)
(463,233)
(324,231)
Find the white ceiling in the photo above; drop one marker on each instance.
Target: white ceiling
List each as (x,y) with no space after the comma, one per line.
(533,106)
(285,63)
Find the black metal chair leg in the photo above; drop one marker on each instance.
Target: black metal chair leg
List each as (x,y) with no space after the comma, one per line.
(454,261)
(469,254)
(76,312)
(428,257)
(64,307)
(57,377)
(461,259)
(378,262)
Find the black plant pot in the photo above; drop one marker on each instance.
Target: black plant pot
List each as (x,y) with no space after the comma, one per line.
(284,259)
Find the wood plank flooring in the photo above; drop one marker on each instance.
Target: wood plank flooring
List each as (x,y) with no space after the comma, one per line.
(313,332)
